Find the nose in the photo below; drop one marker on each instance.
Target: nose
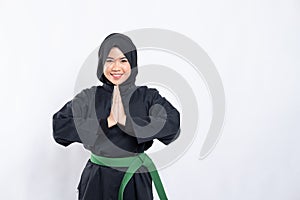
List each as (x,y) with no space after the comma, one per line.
(116,66)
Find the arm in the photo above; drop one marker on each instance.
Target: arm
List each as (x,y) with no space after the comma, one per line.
(162,123)
(64,131)
(73,123)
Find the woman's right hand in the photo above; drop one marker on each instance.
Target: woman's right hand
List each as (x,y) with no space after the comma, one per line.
(111,121)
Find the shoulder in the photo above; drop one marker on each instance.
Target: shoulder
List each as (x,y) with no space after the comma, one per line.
(149,94)
(145,90)
(87,93)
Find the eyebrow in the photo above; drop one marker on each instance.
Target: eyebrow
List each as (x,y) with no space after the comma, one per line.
(113,58)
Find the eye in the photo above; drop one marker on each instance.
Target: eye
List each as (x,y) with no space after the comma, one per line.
(109,60)
(124,60)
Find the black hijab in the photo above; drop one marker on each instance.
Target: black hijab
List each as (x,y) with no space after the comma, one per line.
(125,44)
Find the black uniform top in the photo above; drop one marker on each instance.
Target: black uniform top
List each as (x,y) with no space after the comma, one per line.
(149,116)
(84,120)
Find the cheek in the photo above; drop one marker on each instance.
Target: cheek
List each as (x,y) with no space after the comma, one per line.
(127,69)
(106,69)
(106,72)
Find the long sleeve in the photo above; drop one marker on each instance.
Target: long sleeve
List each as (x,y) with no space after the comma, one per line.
(162,121)
(75,121)
(64,131)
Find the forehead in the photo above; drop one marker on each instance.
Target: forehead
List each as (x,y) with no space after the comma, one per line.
(115,52)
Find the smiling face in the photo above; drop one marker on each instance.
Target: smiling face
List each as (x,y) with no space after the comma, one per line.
(116,67)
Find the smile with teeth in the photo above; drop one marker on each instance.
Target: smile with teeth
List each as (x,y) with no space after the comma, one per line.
(116,76)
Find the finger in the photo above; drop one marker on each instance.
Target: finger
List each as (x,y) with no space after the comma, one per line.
(115,91)
(114,106)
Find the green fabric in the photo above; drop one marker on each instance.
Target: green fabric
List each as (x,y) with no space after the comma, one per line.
(133,163)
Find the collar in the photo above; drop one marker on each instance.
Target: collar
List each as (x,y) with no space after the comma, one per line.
(125,88)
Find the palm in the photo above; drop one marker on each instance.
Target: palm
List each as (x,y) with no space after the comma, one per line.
(117,114)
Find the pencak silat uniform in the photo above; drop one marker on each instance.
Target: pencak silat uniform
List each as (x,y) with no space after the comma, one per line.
(149,116)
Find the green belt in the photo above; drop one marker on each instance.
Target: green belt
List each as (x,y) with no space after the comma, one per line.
(133,163)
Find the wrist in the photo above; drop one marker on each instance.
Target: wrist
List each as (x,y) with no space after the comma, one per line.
(110,122)
(122,120)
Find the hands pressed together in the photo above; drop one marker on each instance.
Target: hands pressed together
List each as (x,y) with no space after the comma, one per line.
(117,113)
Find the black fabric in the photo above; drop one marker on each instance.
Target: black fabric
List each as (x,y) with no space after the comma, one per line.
(98,182)
(84,120)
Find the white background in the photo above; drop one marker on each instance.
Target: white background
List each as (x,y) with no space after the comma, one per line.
(255,46)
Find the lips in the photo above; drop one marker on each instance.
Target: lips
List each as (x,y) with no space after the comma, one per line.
(116,76)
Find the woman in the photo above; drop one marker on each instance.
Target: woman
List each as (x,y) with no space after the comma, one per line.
(117,122)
